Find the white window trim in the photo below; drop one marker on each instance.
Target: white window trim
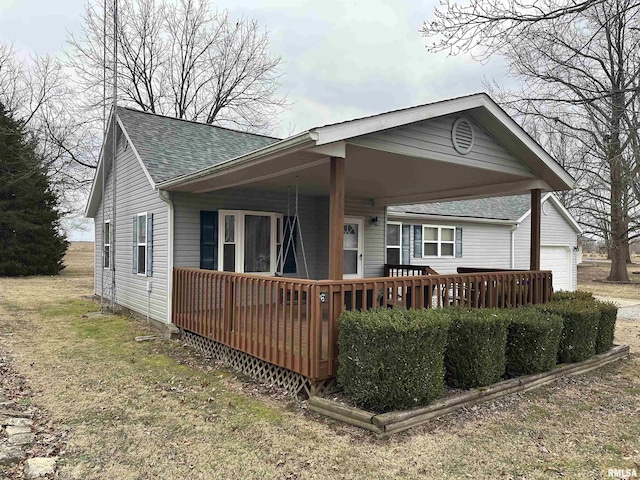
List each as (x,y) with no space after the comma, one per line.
(239,239)
(439,241)
(106,242)
(138,245)
(399,247)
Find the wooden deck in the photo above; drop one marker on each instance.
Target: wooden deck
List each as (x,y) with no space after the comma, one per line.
(294,323)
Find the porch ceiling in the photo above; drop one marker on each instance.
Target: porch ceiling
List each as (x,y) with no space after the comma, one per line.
(386,178)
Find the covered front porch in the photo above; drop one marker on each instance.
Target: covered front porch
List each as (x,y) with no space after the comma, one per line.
(354,171)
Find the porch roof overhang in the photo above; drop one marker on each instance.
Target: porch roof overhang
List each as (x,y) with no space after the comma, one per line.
(390,174)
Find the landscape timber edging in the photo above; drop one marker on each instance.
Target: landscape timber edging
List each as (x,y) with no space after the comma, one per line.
(385,424)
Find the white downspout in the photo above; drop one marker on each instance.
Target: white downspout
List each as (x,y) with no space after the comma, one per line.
(166,197)
(513,246)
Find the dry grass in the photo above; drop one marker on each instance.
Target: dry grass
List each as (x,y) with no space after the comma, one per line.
(136,410)
(592,277)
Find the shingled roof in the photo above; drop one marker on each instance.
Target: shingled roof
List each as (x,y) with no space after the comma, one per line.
(170,147)
(497,208)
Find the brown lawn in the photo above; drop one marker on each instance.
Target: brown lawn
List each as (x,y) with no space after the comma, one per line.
(592,276)
(154,410)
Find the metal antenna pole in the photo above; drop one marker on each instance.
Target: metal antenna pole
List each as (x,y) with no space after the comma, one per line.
(114,136)
(104,132)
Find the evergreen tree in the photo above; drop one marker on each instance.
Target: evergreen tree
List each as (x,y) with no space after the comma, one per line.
(30,238)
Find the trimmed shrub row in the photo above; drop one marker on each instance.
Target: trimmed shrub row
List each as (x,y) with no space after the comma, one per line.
(607,326)
(579,339)
(580,328)
(392,358)
(475,354)
(561,296)
(395,358)
(533,341)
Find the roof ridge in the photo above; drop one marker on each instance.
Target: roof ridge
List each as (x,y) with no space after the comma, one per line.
(405,109)
(196,122)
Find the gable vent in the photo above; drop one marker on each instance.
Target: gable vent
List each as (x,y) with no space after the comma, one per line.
(462,135)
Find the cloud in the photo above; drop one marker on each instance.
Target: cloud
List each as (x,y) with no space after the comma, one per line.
(355,58)
(39,26)
(342,59)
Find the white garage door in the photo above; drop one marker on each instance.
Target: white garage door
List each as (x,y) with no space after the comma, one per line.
(558,260)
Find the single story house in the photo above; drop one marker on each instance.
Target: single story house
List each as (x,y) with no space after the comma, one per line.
(254,245)
(490,233)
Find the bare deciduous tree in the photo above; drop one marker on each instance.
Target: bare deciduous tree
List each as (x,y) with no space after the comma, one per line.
(578,66)
(184,60)
(38,90)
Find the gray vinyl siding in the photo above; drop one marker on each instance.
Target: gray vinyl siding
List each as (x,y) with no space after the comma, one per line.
(523,244)
(102,276)
(314,223)
(187,208)
(374,236)
(373,244)
(134,195)
(554,230)
(483,246)
(432,139)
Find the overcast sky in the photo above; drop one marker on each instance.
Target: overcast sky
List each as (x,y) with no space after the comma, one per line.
(342,59)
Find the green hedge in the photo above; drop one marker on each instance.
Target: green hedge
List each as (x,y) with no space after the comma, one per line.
(563,295)
(607,326)
(475,354)
(580,328)
(392,358)
(608,315)
(532,342)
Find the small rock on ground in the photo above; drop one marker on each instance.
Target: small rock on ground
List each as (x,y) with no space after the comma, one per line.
(14,413)
(9,455)
(21,439)
(16,430)
(17,422)
(39,467)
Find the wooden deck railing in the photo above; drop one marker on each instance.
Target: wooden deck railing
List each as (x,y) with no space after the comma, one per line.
(392,270)
(294,323)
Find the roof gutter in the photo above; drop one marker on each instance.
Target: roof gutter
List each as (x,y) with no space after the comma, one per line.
(292,142)
(448,218)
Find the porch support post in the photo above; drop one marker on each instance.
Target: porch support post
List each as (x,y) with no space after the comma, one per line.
(536,197)
(336,219)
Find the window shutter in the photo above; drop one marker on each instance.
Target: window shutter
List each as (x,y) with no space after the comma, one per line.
(406,244)
(209,240)
(149,244)
(417,241)
(290,260)
(135,244)
(458,242)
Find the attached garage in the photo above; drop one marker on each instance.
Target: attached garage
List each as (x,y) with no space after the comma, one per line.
(558,259)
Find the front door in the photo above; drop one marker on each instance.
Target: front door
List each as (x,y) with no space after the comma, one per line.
(353,247)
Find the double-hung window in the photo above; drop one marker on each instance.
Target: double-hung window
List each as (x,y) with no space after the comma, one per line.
(249,241)
(394,243)
(106,245)
(141,236)
(143,244)
(438,241)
